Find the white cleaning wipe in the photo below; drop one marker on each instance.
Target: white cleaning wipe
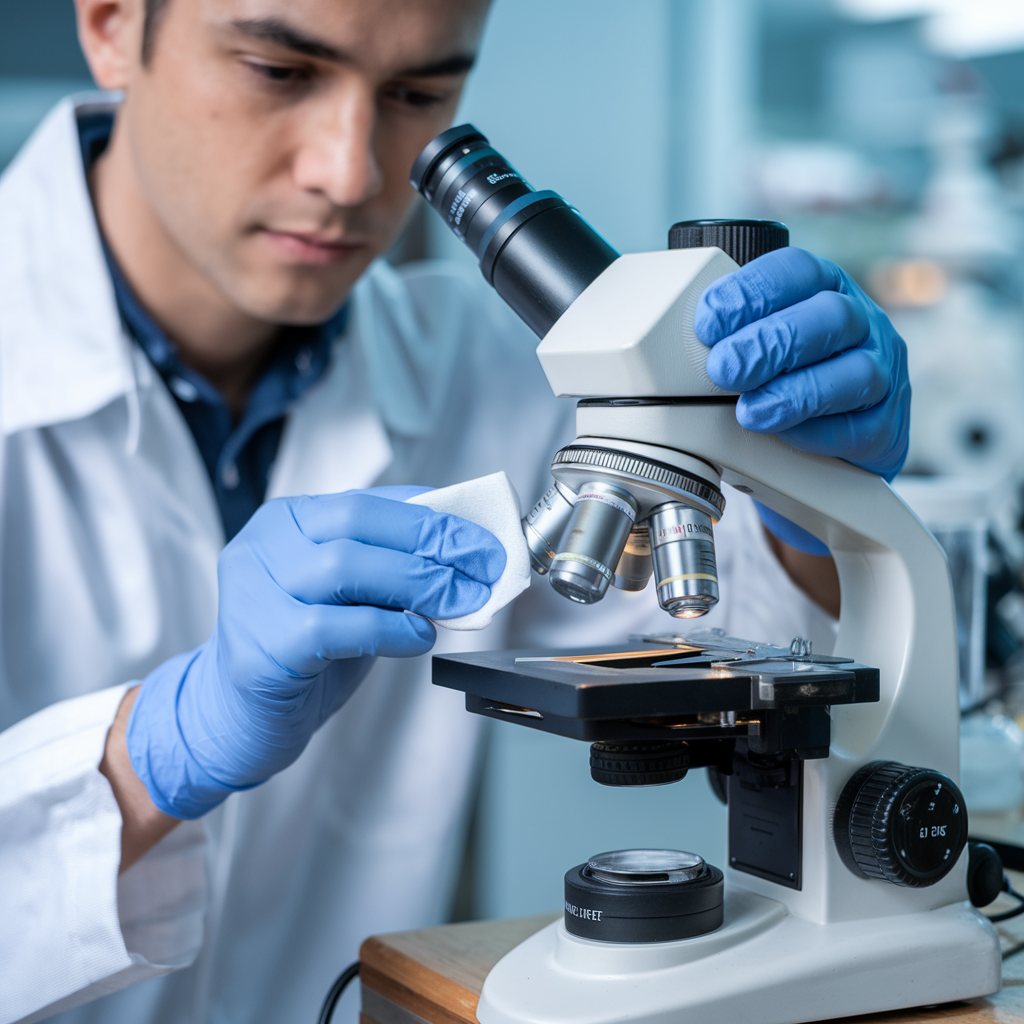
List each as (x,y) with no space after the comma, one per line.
(490,502)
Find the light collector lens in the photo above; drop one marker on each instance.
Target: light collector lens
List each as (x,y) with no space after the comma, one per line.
(646,867)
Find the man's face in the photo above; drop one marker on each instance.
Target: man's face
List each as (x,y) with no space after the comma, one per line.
(273,138)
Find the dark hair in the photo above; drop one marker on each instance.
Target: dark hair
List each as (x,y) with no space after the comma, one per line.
(154,12)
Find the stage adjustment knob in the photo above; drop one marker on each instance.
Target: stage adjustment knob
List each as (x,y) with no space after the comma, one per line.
(905,825)
(743,240)
(639,762)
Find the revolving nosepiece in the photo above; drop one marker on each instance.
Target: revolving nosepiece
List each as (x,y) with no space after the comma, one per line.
(615,518)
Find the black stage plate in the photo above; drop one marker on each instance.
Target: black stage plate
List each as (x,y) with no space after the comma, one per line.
(695,682)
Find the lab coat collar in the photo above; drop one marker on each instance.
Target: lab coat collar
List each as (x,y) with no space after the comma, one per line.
(63,353)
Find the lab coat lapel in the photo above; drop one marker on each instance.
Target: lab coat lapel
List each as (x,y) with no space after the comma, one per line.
(334,440)
(391,374)
(63,354)
(410,360)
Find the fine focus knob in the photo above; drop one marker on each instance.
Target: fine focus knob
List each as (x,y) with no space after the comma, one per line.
(905,825)
(743,240)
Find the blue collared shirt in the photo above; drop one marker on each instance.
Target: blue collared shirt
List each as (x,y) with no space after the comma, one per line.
(238,455)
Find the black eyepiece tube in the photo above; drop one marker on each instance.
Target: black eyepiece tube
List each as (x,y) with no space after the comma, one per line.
(533,247)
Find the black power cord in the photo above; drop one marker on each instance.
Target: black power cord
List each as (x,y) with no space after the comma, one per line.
(339,986)
(1007,914)
(986,879)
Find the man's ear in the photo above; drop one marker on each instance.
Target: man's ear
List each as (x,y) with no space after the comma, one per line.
(110,34)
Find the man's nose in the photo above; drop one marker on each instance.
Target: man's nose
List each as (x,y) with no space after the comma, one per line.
(337,158)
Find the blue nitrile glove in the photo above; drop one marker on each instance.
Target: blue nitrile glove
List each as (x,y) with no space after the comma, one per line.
(311,589)
(817,362)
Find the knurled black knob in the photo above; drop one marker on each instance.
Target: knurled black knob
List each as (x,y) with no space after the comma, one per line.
(901,824)
(743,240)
(639,763)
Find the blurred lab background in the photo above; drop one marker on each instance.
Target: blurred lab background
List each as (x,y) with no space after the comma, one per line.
(889,136)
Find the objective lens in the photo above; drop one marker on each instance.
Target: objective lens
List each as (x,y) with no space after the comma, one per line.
(545,523)
(635,565)
(593,541)
(535,249)
(683,549)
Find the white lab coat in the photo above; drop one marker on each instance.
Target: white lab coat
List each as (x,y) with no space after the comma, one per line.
(110,536)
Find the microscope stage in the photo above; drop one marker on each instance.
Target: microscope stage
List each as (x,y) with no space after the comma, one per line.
(707,688)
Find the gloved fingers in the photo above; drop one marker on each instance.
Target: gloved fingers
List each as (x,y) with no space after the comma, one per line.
(355,631)
(348,572)
(415,529)
(849,382)
(805,333)
(761,287)
(875,439)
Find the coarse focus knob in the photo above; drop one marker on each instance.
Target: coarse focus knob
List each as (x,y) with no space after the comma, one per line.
(904,825)
(743,240)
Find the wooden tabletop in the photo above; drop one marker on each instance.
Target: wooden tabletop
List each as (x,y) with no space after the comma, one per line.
(436,975)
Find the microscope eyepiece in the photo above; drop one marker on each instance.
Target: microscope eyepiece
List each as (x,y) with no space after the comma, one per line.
(533,247)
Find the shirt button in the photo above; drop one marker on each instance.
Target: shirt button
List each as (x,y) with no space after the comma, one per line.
(304,361)
(229,476)
(184,389)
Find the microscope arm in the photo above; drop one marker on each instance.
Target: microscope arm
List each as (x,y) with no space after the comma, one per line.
(630,335)
(897,608)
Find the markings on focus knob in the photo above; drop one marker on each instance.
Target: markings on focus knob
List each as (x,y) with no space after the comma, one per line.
(900,824)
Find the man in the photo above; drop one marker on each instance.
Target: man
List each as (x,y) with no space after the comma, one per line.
(192,321)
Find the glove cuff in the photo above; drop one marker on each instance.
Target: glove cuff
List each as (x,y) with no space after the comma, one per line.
(789,533)
(159,754)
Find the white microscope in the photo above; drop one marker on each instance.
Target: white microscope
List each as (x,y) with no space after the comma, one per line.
(845,891)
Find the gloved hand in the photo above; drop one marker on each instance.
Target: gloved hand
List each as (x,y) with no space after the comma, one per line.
(311,590)
(817,362)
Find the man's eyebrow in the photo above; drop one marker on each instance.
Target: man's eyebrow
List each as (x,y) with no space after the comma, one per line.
(280,33)
(457,64)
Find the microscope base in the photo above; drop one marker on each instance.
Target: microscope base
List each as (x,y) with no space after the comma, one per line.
(762,966)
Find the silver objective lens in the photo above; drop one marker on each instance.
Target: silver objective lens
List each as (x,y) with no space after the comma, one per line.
(635,565)
(593,541)
(545,523)
(685,571)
